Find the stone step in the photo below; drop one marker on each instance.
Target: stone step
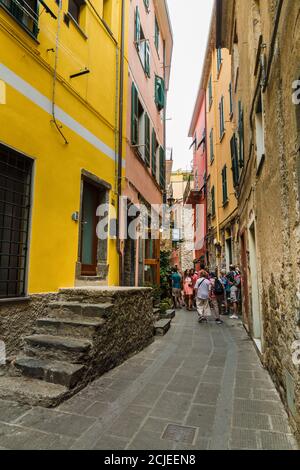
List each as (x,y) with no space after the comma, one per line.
(61,348)
(76,327)
(162,327)
(32,391)
(56,372)
(156,311)
(170,314)
(80,309)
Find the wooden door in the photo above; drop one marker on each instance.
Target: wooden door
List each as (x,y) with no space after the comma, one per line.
(90,202)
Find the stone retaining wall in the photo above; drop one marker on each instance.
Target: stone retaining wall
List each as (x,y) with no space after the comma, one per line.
(17,319)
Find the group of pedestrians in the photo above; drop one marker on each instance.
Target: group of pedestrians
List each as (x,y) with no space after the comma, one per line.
(216,292)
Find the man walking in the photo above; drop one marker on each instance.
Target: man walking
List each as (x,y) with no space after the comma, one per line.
(202,289)
(176,288)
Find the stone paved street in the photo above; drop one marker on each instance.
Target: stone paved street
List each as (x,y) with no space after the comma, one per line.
(199,387)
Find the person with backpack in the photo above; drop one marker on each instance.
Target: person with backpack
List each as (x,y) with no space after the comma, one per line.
(220,293)
(234,280)
(176,288)
(216,290)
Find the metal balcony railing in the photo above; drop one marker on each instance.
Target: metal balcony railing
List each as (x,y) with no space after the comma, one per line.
(24,12)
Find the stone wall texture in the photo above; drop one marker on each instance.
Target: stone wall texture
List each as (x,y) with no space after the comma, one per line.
(17,319)
(127,330)
(269,194)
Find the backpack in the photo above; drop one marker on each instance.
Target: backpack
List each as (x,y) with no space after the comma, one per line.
(219,288)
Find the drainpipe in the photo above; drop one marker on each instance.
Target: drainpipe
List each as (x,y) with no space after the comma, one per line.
(120,144)
(58,127)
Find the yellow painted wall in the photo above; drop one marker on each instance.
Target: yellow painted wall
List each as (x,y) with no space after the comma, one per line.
(90,100)
(222,151)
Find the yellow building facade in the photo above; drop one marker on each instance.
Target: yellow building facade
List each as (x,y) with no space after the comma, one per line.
(59,113)
(222,228)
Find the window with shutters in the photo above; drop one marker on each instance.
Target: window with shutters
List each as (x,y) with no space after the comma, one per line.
(221,116)
(230,101)
(213,202)
(75,8)
(211,146)
(25,12)
(134,116)
(140,127)
(107,12)
(159,93)
(156,35)
(142,44)
(224,186)
(210,92)
(219,60)
(241,134)
(154,150)
(147,140)
(147,5)
(234,161)
(162,168)
(260,132)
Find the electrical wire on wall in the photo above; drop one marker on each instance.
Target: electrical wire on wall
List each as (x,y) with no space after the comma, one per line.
(58,127)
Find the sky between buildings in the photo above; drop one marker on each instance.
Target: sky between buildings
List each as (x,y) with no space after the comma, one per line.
(190,23)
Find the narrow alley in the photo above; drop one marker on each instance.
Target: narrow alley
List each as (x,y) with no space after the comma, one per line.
(198,387)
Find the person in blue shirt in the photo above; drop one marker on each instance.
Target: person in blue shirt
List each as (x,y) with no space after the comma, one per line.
(176,288)
(227,288)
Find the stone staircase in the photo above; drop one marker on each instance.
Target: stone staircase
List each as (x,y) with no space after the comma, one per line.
(163,322)
(56,360)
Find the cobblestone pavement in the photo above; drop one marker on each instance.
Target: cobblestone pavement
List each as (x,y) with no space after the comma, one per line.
(199,387)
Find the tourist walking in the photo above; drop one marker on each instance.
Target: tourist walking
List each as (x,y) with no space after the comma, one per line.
(227,286)
(202,289)
(176,288)
(188,289)
(234,280)
(216,297)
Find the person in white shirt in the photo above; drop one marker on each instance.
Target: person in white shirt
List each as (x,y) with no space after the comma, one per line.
(202,288)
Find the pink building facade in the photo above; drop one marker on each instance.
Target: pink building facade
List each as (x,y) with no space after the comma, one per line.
(150,47)
(196,194)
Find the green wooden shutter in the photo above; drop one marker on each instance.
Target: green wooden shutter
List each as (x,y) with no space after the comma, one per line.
(146,3)
(134,116)
(224,185)
(156,39)
(153,153)
(234,161)
(147,140)
(211,140)
(147,59)
(159,93)
(213,202)
(221,113)
(241,135)
(137,32)
(162,168)
(230,100)
(219,59)
(210,96)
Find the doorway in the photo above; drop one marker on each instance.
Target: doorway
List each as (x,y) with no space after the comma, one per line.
(229,254)
(245,287)
(256,311)
(90,202)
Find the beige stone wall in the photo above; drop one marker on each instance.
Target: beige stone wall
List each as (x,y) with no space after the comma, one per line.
(270,197)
